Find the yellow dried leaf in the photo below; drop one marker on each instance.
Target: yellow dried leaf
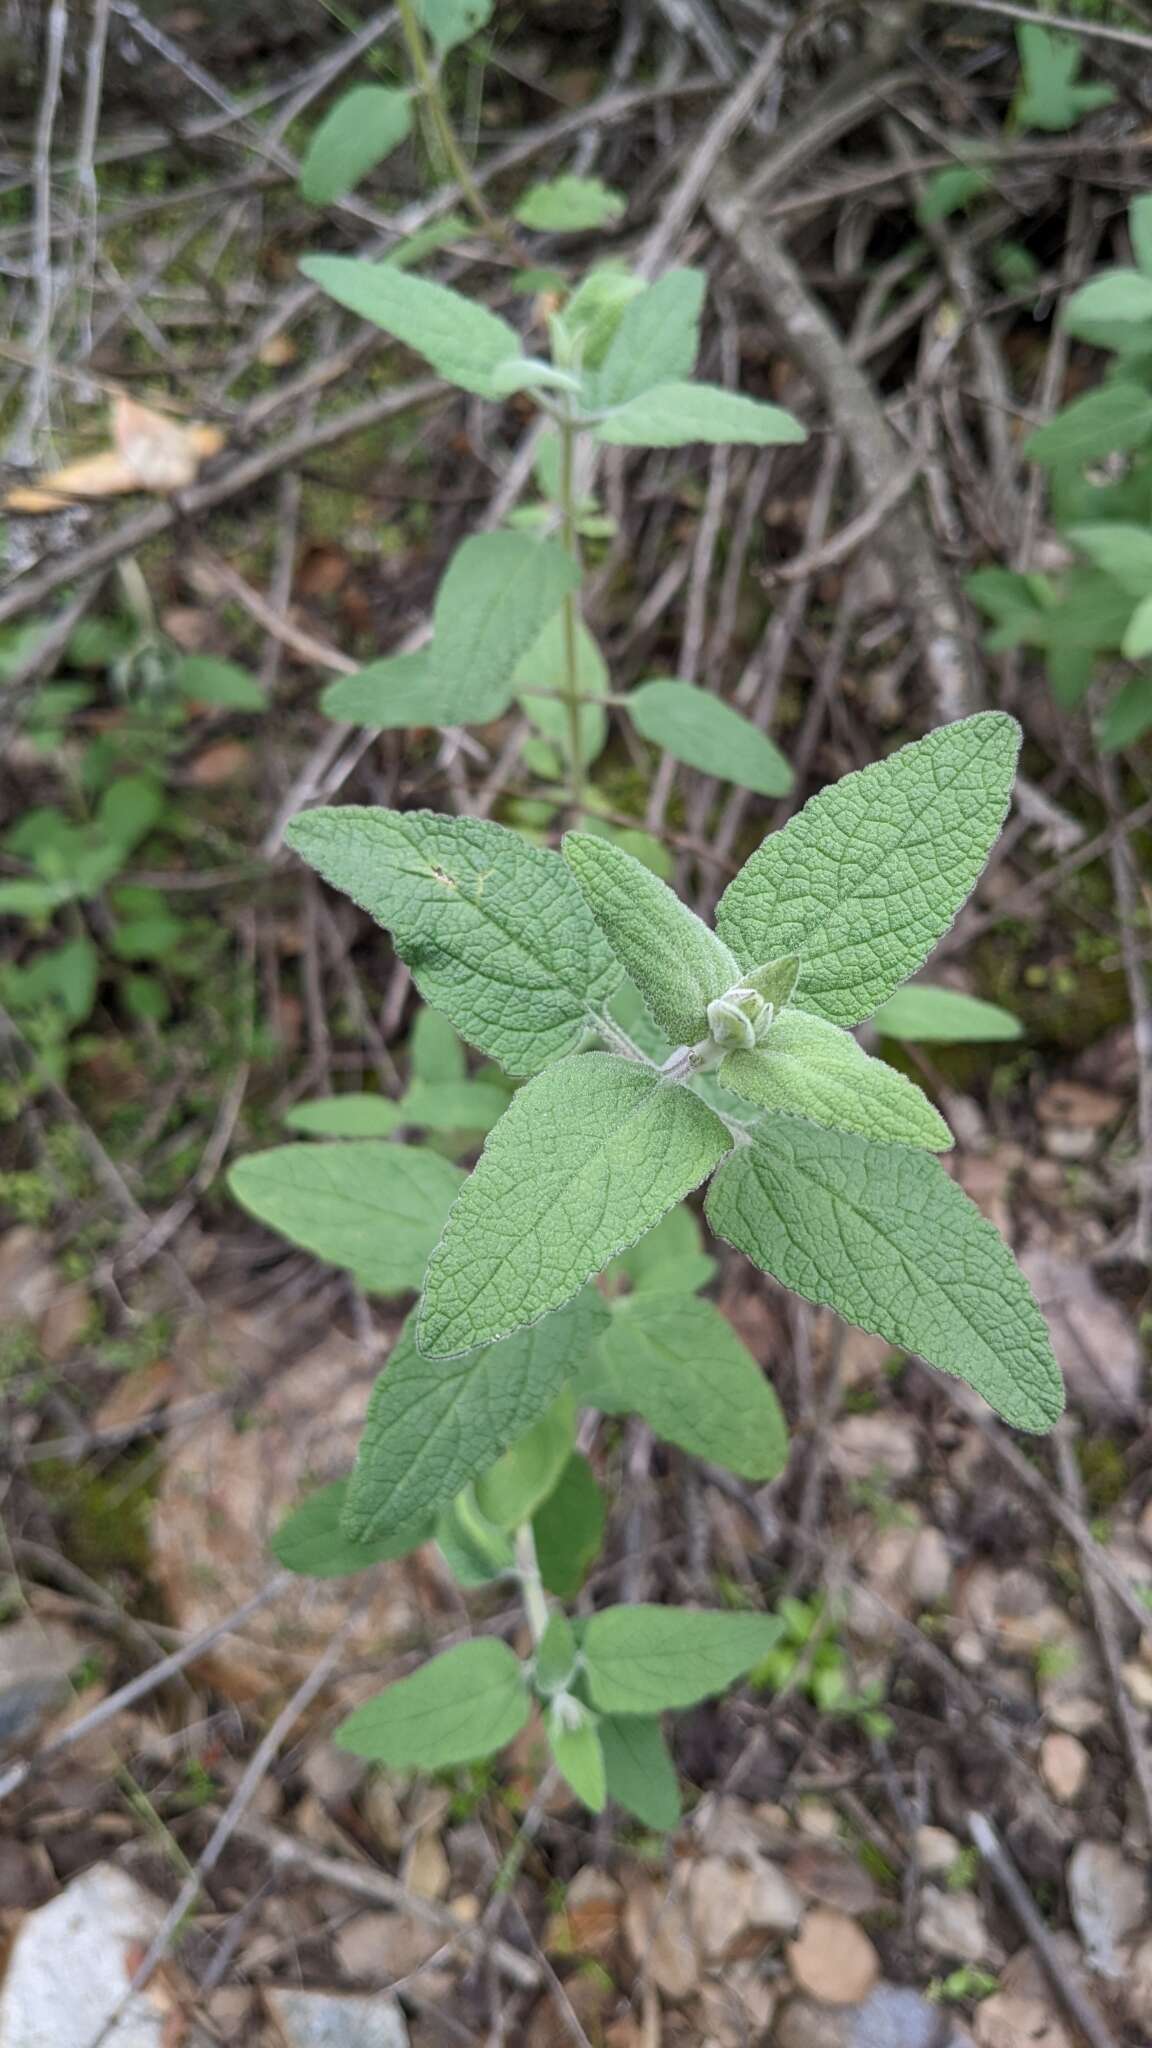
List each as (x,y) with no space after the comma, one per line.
(151,453)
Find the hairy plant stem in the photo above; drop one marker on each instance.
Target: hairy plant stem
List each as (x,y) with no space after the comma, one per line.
(428,83)
(573,701)
(531,1584)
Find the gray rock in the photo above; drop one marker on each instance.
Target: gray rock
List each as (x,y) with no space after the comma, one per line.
(71,1964)
(337,2019)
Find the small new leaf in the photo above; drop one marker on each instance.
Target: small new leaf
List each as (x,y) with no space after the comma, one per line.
(881,1234)
(432,1429)
(586,1159)
(460,1707)
(810,1068)
(677,963)
(495,931)
(670,415)
(870,874)
(373,1208)
(700,729)
(312,1541)
(576,1752)
(679,1363)
(639,1660)
(655,340)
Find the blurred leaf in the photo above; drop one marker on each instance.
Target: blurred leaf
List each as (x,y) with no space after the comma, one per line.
(311,1541)
(515,1486)
(450,22)
(1048,96)
(569,1528)
(942,1015)
(1128,717)
(1116,417)
(457,1708)
(346,1116)
(217,682)
(569,205)
(357,133)
(373,1208)
(640,1774)
(948,190)
(700,729)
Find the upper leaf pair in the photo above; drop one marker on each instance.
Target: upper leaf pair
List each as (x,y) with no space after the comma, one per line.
(639,395)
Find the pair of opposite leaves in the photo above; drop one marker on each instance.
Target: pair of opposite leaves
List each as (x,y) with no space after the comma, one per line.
(860,885)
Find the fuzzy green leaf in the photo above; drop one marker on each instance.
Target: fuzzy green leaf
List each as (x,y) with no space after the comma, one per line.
(495,931)
(1116,417)
(375,1209)
(450,22)
(512,1489)
(569,1528)
(943,1016)
(1128,717)
(499,592)
(655,340)
(1124,552)
(639,1660)
(453,1105)
(202,676)
(311,1540)
(346,1116)
(556,1656)
(460,338)
(883,1236)
(679,1363)
(870,874)
(430,1429)
(775,980)
(393,695)
(586,1159)
(667,1260)
(677,963)
(578,1757)
(810,1068)
(700,729)
(357,133)
(462,1706)
(569,205)
(640,1774)
(670,415)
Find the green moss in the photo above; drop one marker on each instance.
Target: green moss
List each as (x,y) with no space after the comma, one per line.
(104,1516)
(1104,1470)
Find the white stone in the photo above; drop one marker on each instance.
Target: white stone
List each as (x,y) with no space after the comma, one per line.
(72,1962)
(337,2019)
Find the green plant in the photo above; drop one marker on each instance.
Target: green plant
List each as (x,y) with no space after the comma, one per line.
(506,624)
(84,919)
(652,1054)
(810,1658)
(1094,620)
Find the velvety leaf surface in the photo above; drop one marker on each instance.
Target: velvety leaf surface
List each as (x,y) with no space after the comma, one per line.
(588,1157)
(884,1237)
(870,874)
(495,930)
